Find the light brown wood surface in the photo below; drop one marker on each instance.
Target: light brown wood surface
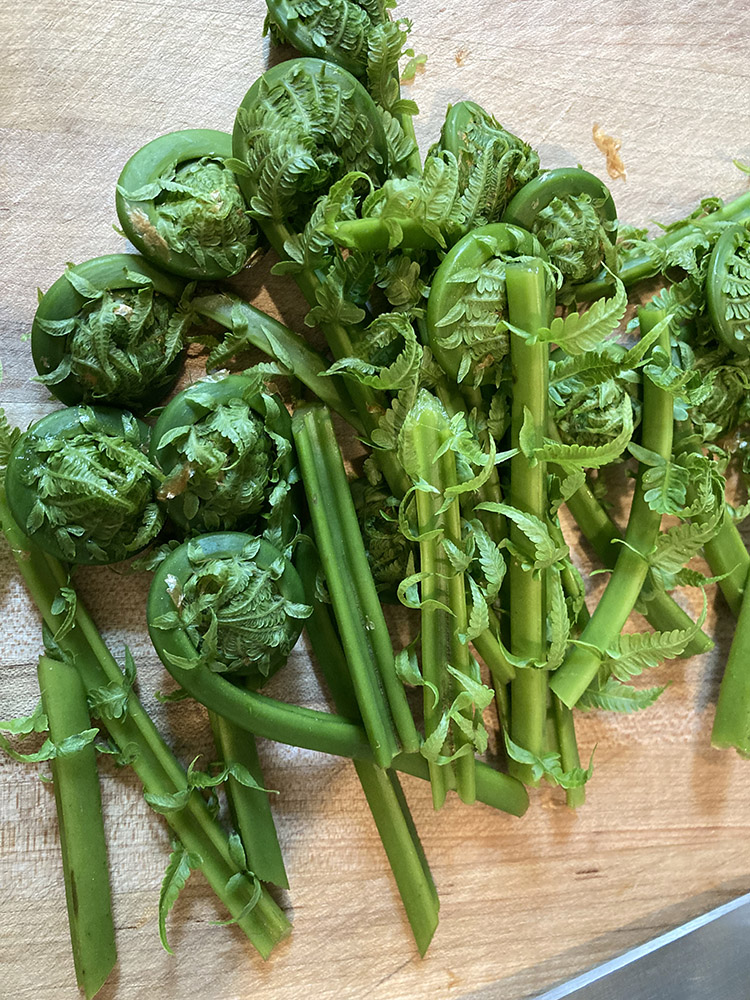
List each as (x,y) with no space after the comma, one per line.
(664,833)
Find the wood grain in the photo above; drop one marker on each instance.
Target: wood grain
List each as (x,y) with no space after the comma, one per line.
(524,902)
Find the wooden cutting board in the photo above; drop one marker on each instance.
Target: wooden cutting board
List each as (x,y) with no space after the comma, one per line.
(664,833)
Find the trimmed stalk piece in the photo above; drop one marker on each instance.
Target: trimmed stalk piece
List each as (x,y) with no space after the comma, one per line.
(731,726)
(567,747)
(728,557)
(631,569)
(530,307)
(82,839)
(382,789)
(380,695)
(250,808)
(431,463)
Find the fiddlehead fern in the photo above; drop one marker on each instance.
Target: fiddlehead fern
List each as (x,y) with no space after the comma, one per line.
(181,206)
(81,486)
(572,213)
(728,289)
(337,30)
(467,302)
(228,601)
(301,126)
(492,163)
(359,36)
(225,448)
(111,330)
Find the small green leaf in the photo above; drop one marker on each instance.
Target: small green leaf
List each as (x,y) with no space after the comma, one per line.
(181,863)
(614,696)
(578,333)
(167,802)
(49,751)
(23,725)
(407,669)
(549,766)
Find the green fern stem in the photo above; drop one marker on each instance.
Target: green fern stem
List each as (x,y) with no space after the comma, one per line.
(726,554)
(731,726)
(444,614)
(529,308)
(159,771)
(380,694)
(413,163)
(567,747)
(368,403)
(82,838)
(637,266)
(250,808)
(283,345)
(631,568)
(603,535)
(373,235)
(382,789)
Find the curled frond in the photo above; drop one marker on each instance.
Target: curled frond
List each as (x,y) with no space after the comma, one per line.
(111,331)
(467,303)
(571,231)
(492,162)
(301,127)
(229,602)
(198,210)
(224,447)
(80,485)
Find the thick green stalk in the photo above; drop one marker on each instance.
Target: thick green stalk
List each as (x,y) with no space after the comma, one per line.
(444,614)
(250,807)
(385,798)
(637,265)
(364,633)
(603,535)
(373,235)
(567,746)
(494,655)
(403,848)
(529,308)
(732,721)
(727,556)
(631,568)
(82,839)
(154,763)
(413,164)
(285,346)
